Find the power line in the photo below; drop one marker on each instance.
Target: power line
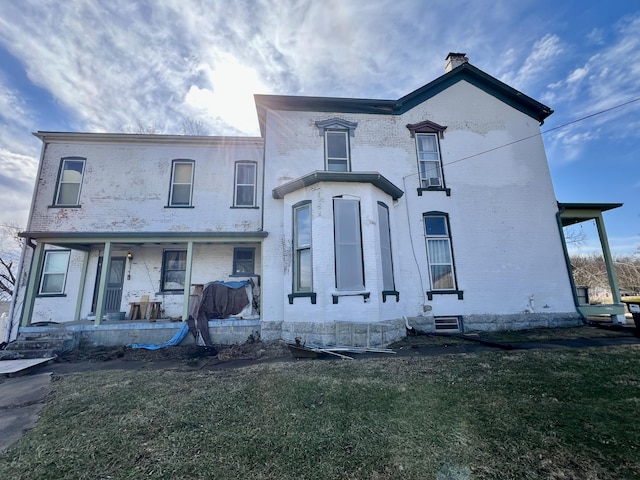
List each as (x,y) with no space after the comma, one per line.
(544,132)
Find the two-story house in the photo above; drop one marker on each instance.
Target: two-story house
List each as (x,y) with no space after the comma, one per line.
(350,217)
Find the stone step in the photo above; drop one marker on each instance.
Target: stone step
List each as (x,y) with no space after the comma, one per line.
(26,354)
(40,345)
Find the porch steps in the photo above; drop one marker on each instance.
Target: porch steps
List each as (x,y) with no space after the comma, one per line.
(40,345)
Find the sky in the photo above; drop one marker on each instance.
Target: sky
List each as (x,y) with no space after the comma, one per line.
(123,65)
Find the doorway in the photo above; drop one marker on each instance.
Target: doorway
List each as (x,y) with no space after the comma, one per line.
(115,282)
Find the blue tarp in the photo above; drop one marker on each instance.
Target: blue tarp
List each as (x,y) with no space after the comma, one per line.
(235,285)
(175,340)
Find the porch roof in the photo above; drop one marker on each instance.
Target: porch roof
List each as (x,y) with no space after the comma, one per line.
(78,239)
(571,213)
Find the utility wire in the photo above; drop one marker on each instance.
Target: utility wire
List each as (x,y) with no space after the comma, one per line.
(543,132)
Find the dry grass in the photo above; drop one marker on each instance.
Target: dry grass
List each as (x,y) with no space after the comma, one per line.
(563,414)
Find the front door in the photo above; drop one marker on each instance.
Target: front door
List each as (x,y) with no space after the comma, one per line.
(113,293)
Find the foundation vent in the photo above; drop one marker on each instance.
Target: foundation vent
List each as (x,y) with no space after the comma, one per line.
(447,324)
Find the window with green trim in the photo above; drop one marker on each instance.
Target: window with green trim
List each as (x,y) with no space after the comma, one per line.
(54,272)
(174,266)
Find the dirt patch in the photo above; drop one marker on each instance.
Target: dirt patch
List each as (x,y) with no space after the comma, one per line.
(188,354)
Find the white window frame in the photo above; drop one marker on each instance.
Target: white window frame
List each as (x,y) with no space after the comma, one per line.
(446,236)
(238,185)
(63,183)
(386,254)
(166,268)
(349,260)
(425,180)
(300,249)
(47,271)
(174,183)
(336,161)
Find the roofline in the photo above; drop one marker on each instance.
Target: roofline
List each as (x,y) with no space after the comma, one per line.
(132,237)
(466,71)
(602,207)
(53,137)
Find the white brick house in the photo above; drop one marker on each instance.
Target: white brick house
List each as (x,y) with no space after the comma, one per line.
(348,214)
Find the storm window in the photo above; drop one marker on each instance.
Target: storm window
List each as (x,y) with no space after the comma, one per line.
(348,245)
(302,266)
(439,252)
(174,266)
(245,184)
(54,272)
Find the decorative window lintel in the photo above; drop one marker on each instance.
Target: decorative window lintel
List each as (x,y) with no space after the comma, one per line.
(426,127)
(336,124)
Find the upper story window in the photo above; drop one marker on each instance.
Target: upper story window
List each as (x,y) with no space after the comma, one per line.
(245,184)
(337,148)
(181,183)
(54,272)
(69,181)
(429,160)
(427,135)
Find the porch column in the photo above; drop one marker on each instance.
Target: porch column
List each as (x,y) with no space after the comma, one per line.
(611,273)
(83,277)
(102,287)
(32,285)
(187,282)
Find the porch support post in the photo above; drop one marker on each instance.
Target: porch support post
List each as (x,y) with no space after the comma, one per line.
(187,282)
(32,284)
(611,273)
(102,287)
(83,277)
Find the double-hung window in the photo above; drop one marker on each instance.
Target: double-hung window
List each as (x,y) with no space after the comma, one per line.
(245,184)
(302,267)
(348,245)
(429,160)
(337,150)
(54,272)
(439,252)
(174,266)
(181,183)
(69,182)
(244,260)
(388,284)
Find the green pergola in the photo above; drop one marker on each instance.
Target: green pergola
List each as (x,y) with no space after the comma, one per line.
(572,213)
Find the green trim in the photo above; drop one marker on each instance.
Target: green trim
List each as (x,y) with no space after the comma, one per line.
(312,295)
(65,238)
(318,176)
(434,189)
(51,295)
(387,293)
(431,293)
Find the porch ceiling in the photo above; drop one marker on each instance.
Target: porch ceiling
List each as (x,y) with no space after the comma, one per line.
(572,213)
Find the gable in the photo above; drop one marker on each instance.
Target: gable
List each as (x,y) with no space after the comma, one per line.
(466,72)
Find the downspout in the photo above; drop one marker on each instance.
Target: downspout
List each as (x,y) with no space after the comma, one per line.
(28,241)
(568,262)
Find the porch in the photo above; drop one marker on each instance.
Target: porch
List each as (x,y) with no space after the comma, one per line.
(113,333)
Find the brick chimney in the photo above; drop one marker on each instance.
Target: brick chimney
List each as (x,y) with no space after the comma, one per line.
(454,60)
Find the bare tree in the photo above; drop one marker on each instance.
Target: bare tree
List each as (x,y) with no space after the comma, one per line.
(142,128)
(191,126)
(10,246)
(574,236)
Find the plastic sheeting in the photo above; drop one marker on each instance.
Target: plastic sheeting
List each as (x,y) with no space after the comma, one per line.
(175,340)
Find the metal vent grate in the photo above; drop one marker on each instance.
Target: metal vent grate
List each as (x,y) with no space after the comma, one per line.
(447,324)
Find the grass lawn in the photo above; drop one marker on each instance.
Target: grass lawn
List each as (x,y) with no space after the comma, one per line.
(547,414)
